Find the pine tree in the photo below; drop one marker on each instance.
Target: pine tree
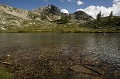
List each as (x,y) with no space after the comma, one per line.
(67,18)
(110,16)
(99,16)
(62,17)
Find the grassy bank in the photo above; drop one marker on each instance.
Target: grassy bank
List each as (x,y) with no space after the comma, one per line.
(61,29)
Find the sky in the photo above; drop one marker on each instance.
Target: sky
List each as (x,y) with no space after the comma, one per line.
(91,7)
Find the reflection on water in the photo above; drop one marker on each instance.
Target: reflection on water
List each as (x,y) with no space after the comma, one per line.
(105,47)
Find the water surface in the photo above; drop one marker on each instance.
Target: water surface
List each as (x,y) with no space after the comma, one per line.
(103,45)
(26,46)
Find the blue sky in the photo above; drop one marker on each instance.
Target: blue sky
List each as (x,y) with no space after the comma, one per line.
(70,5)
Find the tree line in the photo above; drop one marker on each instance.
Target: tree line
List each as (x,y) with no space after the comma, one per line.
(99,16)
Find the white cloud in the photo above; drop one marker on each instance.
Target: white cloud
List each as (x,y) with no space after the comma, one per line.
(94,10)
(64,11)
(115,1)
(80,2)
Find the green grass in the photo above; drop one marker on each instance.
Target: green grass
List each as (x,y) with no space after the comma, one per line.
(61,28)
(4,74)
(104,23)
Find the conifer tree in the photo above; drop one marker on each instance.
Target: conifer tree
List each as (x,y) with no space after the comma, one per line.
(110,16)
(99,16)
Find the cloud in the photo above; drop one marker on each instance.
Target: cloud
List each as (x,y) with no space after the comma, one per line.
(64,11)
(115,1)
(79,2)
(94,10)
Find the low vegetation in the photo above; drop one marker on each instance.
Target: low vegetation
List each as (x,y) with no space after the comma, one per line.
(105,24)
(4,74)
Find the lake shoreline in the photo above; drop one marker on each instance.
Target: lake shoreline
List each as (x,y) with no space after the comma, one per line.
(49,67)
(62,31)
(53,67)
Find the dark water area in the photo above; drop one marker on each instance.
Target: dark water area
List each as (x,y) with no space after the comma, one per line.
(33,46)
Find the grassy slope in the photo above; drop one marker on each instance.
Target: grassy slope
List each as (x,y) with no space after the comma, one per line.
(105,25)
(92,26)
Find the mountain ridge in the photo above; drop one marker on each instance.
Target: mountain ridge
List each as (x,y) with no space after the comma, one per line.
(50,9)
(14,11)
(14,17)
(51,19)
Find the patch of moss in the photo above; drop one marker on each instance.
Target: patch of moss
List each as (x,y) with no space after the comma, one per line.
(4,74)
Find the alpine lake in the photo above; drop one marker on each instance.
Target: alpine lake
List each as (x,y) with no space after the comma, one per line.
(60,55)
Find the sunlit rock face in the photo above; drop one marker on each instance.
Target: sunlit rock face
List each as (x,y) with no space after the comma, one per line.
(50,12)
(53,10)
(14,11)
(49,9)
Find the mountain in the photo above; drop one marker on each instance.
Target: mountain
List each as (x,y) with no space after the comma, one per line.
(14,18)
(80,16)
(50,9)
(14,11)
(49,12)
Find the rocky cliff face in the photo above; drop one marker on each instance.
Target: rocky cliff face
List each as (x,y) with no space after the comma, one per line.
(50,9)
(11,17)
(50,12)
(14,11)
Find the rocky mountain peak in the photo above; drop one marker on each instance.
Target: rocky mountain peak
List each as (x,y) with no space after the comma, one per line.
(79,12)
(81,15)
(50,9)
(50,12)
(53,9)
